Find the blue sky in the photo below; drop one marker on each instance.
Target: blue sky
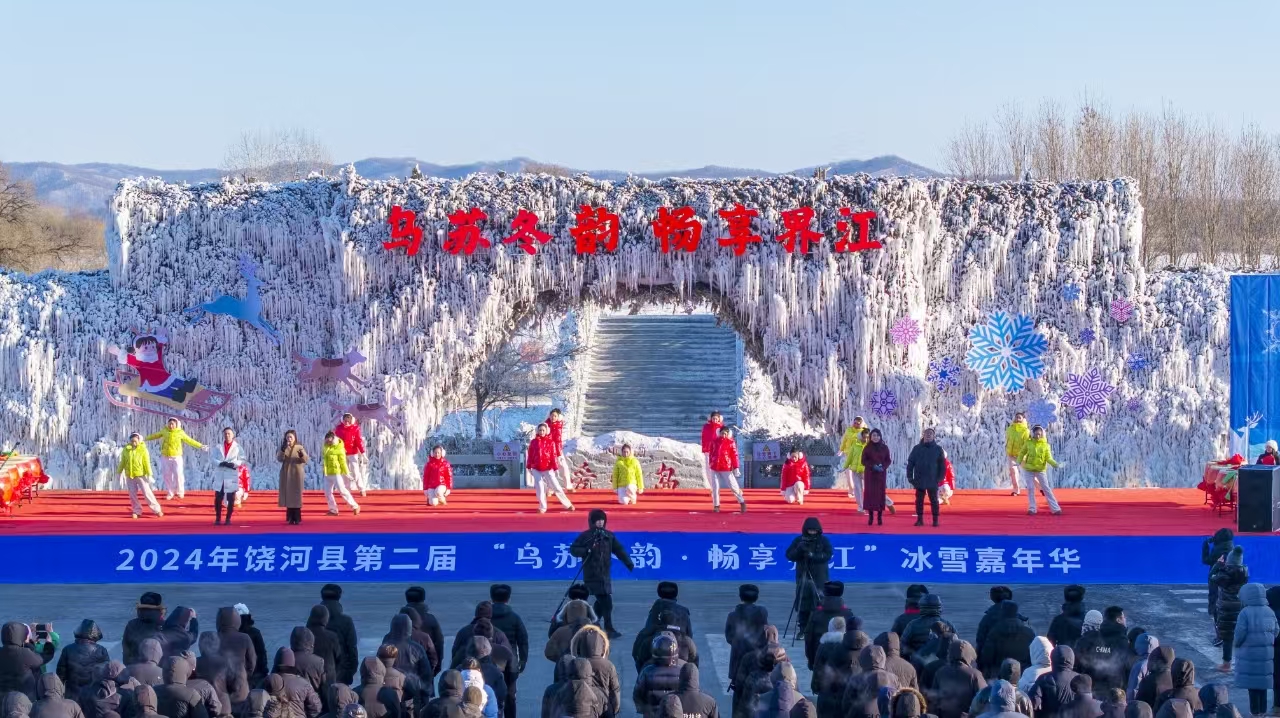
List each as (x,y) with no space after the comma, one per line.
(620,85)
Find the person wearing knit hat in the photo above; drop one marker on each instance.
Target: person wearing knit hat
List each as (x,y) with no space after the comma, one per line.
(1092,621)
(1270,454)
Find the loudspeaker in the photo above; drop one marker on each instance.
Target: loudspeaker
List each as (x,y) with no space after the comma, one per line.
(1258,489)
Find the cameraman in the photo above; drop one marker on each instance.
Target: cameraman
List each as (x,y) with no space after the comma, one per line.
(19,665)
(596,547)
(811,552)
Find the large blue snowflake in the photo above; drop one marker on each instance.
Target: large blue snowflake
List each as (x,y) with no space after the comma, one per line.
(1087,393)
(944,373)
(884,402)
(1071,292)
(1087,336)
(1006,351)
(1042,412)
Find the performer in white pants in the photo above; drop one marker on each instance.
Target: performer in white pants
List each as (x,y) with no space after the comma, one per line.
(437,478)
(1015,441)
(336,474)
(135,469)
(357,460)
(555,428)
(1036,457)
(172,438)
(724,469)
(541,462)
(795,481)
(628,478)
(710,434)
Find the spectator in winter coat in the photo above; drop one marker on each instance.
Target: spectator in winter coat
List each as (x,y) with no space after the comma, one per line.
(394,679)
(671,707)
(19,664)
(177,699)
(660,677)
(696,703)
(423,639)
(341,624)
(917,633)
(911,612)
(213,705)
(1105,655)
(592,644)
(576,615)
(999,594)
(416,598)
(784,695)
(1176,708)
(449,696)
(81,662)
(1138,709)
(926,465)
(180,631)
(744,656)
(1010,672)
(508,623)
(1183,673)
(832,679)
(498,674)
(15,704)
(104,700)
(1040,649)
(1212,551)
(378,700)
(1115,704)
(747,618)
(1229,578)
(216,672)
(1159,677)
(829,647)
(811,552)
(1003,701)
(1255,638)
(1273,602)
(146,670)
(795,483)
(668,592)
(908,703)
(1052,690)
(51,703)
(327,646)
(558,678)
(1009,637)
(146,703)
(237,650)
(578,697)
(642,648)
(1143,647)
(411,659)
(862,693)
(299,699)
(956,683)
(261,662)
(894,663)
(475,704)
(1082,704)
(1066,626)
(340,696)
(473,679)
(576,592)
(804,708)
(832,605)
(302,644)
(148,624)
(1212,695)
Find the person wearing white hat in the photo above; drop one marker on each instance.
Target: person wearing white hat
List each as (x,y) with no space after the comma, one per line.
(1270,455)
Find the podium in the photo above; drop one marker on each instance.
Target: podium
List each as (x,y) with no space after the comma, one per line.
(1258,499)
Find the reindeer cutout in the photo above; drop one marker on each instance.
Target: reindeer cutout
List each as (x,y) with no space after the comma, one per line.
(247,310)
(339,369)
(376,411)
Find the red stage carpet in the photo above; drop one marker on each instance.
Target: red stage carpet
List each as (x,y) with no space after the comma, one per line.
(1114,512)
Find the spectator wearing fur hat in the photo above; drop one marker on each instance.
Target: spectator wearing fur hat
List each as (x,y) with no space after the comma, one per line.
(832,605)
(746,617)
(668,592)
(341,624)
(1067,626)
(148,624)
(911,611)
(507,622)
(576,592)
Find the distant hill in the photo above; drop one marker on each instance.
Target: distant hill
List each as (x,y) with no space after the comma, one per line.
(87,187)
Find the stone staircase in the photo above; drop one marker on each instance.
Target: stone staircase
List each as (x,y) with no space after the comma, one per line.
(660,375)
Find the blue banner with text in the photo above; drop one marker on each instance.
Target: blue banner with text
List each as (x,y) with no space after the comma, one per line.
(251,558)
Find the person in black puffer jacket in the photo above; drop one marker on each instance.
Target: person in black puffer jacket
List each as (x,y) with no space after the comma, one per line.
(1213,695)
(1083,704)
(578,696)
(447,705)
(1052,691)
(911,611)
(146,671)
(747,645)
(668,622)
(261,661)
(757,681)
(19,664)
(328,647)
(1229,578)
(956,684)
(558,678)
(696,703)
(52,703)
(830,684)
(416,598)
(998,594)
(659,678)
(423,639)
(82,661)
(499,674)
(148,624)
(507,622)
(894,663)
(1212,551)
(1106,655)
(592,644)
(747,618)
(928,660)
(668,592)
(832,605)
(237,650)
(1066,626)
(1183,673)
(917,633)
(341,624)
(177,699)
(811,552)
(1008,637)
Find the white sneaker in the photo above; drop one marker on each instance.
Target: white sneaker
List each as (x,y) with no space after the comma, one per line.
(169,497)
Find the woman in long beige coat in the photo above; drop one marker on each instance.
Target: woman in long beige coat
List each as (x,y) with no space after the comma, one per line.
(293,459)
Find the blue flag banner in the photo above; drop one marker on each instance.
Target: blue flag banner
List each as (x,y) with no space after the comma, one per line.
(1255,357)
(932,558)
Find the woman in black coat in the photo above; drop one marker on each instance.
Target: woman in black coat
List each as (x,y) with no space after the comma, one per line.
(1229,577)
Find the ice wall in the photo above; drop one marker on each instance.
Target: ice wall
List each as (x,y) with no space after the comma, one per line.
(953,253)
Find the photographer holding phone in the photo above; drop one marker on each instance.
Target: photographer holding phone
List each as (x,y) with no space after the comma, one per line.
(19,664)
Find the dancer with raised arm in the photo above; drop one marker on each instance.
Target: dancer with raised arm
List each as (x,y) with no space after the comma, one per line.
(710,434)
(724,469)
(172,471)
(541,462)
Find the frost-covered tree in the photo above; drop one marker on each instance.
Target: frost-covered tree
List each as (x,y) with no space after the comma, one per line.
(277,156)
(16,198)
(523,367)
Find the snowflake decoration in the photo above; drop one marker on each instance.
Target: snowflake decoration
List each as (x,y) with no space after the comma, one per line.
(1006,351)
(944,373)
(1070,292)
(1042,412)
(1272,333)
(1135,404)
(1087,336)
(905,331)
(1087,393)
(969,400)
(1122,310)
(1138,362)
(883,402)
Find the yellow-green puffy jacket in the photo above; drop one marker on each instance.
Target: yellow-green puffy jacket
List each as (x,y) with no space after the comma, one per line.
(1015,438)
(135,461)
(849,439)
(626,473)
(335,459)
(1036,455)
(171,441)
(853,457)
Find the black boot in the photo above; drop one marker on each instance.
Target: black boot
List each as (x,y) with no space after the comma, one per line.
(871,517)
(935,519)
(879,518)
(217,508)
(919,520)
(231,505)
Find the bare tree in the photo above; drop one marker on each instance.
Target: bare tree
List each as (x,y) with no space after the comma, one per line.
(1256,160)
(972,154)
(1175,166)
(49,238)
(521,368)
(1210,186)
(277,156)
(1096,146)
(546,168)
(1051,146)
(1138,159)
(16,198)
(1015,140)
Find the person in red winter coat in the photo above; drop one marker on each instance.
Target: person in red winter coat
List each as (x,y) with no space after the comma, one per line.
(542,463)
(357,461)
(947,486)
(710,435)
(555,425)
(723,463)
(1270,455)
(437,478)
(795,477)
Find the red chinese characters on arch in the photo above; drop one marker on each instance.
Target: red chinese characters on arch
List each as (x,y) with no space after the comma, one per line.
(525,232)
(739,220)
(677,230)
(798,229)
(596,230)
(465,237)
(855,231)
(405,231)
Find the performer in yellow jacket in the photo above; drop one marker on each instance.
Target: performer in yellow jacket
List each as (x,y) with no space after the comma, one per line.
(1036,457)
(851,446)
(1015,440)
(628,479)
(135,469)
(337,473)
(172,437)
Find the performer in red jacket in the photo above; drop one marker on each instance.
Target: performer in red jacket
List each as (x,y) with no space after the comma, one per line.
(795,477)
(357,461)
(947,486)
(437,478)
(555,423)
(723,463)
(541,462)
(710,435)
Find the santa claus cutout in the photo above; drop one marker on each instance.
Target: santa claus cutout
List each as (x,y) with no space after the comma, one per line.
(146,356)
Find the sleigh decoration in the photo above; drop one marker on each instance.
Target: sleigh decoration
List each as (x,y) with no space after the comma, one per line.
(200,405)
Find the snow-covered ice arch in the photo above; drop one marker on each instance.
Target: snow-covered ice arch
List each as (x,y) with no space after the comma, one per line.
(954,252)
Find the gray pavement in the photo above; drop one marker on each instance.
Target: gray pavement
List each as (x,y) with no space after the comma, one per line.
(1176,614)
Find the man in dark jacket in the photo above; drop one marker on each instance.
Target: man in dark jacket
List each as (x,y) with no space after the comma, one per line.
(53,703)
(422,638)
(508,623)
(177,699)
(696,703)
(747,617)
(956,684)
(668,592)
(999,594)
(1213,550)
(1003,701)
(1159,676)
(262,662)
(911,611)
(1052,691)
(901,668)
(302,642)
(327,646)
(576,614)
(578,696)
(237,650)
(642,647)
(82,661)
(1066,626)
(341,624)
(416,598)
(1008,637)
(147,625)
(1082,704)
(832,605)
(1105,655)
(660,677)
(811,552)
(214,675)
(502,660)
(298,697)
(917,633)
(146,670)
(926,465)
(483,612)
(450,696)
(411,659)
(596,547)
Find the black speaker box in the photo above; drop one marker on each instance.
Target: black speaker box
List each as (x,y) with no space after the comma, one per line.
(1258,499)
